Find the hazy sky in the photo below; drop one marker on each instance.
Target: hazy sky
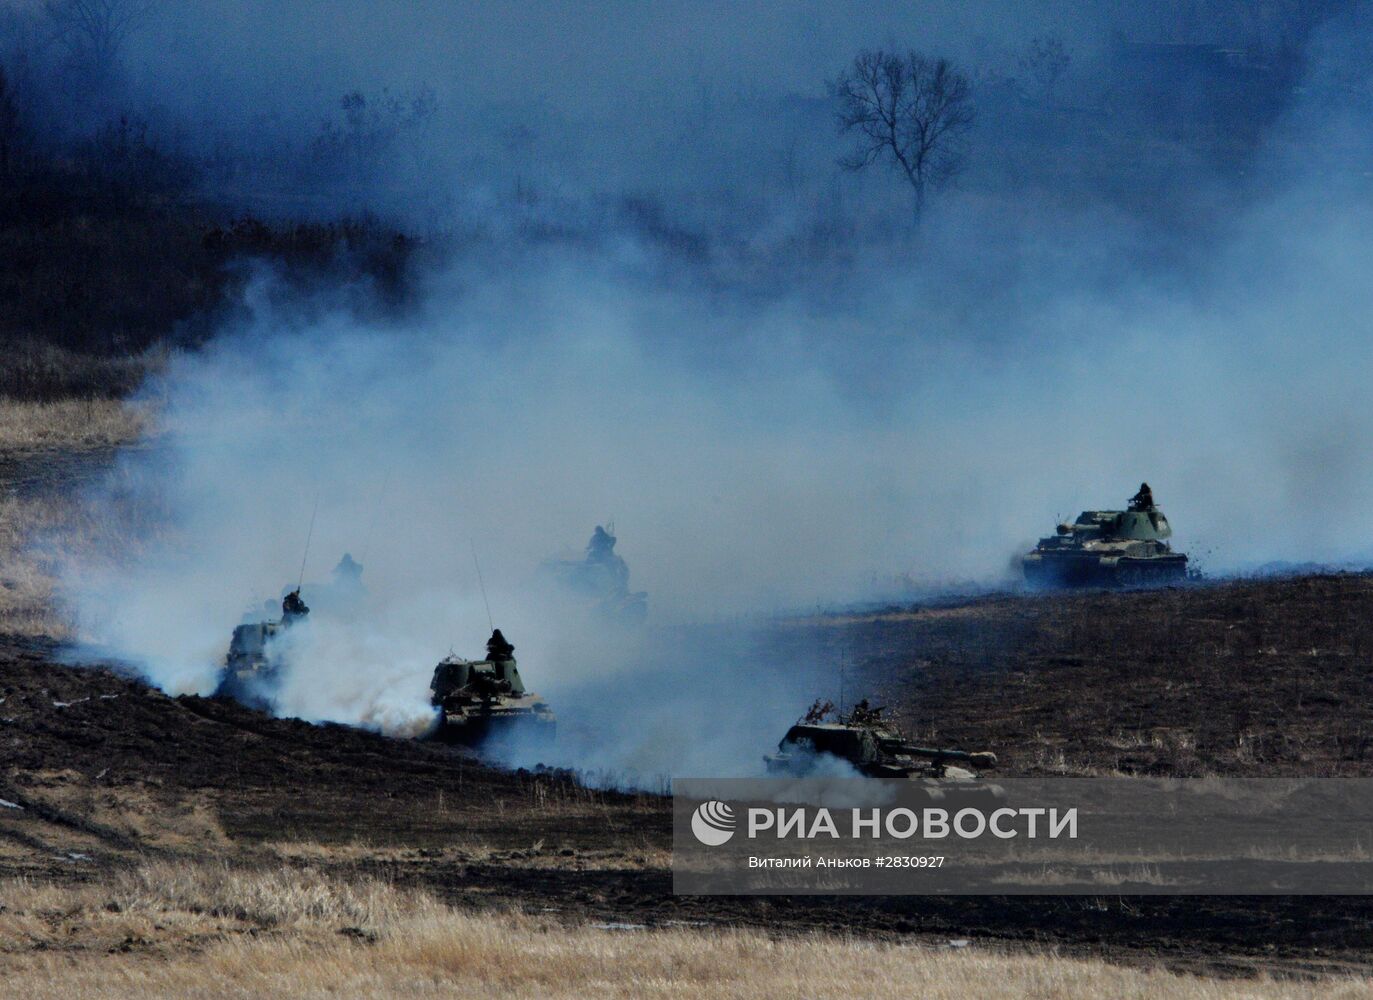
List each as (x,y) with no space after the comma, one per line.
(590,58)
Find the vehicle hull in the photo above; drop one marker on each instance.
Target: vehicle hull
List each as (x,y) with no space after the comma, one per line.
(1086,569)
(504,724)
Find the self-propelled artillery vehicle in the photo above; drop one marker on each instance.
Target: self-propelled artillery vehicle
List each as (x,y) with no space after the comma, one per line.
(1109,548)
(250,666)
(601,580)
(482,699)
(874,748)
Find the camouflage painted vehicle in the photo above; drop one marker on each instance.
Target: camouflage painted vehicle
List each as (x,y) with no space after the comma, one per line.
(482,699)
(601,577)
(1109,548)
(874,748)
(248,668)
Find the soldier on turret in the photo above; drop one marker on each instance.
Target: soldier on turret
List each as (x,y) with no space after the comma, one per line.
(498,648)
(863,714)
(348,572)
(1144,499)
(601,548)
(292,607)
(600,551)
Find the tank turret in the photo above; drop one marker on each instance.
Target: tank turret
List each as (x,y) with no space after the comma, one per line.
(602,578)
(478,699)
(874,748)
(1109,548)
(250,667)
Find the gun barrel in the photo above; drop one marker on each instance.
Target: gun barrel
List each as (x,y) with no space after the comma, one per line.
(976,759)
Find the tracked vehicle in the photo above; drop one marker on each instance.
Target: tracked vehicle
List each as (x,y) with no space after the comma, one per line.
(249,668)
(874,748)
(486,699)
(602,579)
(1108,548)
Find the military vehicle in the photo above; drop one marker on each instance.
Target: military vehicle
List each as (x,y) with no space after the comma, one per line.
(482,699)
(249,667)
(1109,548)
(874,748)
(602,577)
(342,596)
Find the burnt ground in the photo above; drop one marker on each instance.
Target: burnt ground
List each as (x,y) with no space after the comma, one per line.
(1244,678)
(1262,677)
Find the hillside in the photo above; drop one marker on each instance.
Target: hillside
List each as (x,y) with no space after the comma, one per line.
(1252,677)
(109,773)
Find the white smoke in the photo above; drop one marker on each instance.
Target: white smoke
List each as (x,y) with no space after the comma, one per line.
(756,453)
(517,418)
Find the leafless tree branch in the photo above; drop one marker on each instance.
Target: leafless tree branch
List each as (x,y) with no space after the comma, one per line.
(912,109)
(97,28)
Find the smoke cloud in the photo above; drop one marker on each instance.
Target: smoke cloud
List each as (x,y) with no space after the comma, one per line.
(527,407)
(913,410)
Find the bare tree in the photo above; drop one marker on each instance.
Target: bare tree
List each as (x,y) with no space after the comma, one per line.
(96,29)
(1045,62)
(911,110)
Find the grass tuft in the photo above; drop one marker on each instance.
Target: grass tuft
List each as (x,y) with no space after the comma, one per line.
(221,931)
(69,424)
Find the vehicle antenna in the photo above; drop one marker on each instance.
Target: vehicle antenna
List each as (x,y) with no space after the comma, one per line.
(481,583)
(376,516)
(308,535)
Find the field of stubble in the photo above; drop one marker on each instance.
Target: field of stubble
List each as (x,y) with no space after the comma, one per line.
(183,846)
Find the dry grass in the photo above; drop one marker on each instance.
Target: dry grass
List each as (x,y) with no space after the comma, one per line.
(69,424)
(166,908)
(476,849)
(37,534)
(42,523)
(180,821)
(27,582)
(218,931)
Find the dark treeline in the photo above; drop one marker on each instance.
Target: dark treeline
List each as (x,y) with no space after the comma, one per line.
(111,254)
(131,217)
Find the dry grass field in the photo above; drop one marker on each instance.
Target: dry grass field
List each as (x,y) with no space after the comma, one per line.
(190,847)
(27,598)
(44,448)
(69,424)
(212,930)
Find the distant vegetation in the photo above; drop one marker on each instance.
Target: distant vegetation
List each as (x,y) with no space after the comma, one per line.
(125,232)
(908,109)
(108,255)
